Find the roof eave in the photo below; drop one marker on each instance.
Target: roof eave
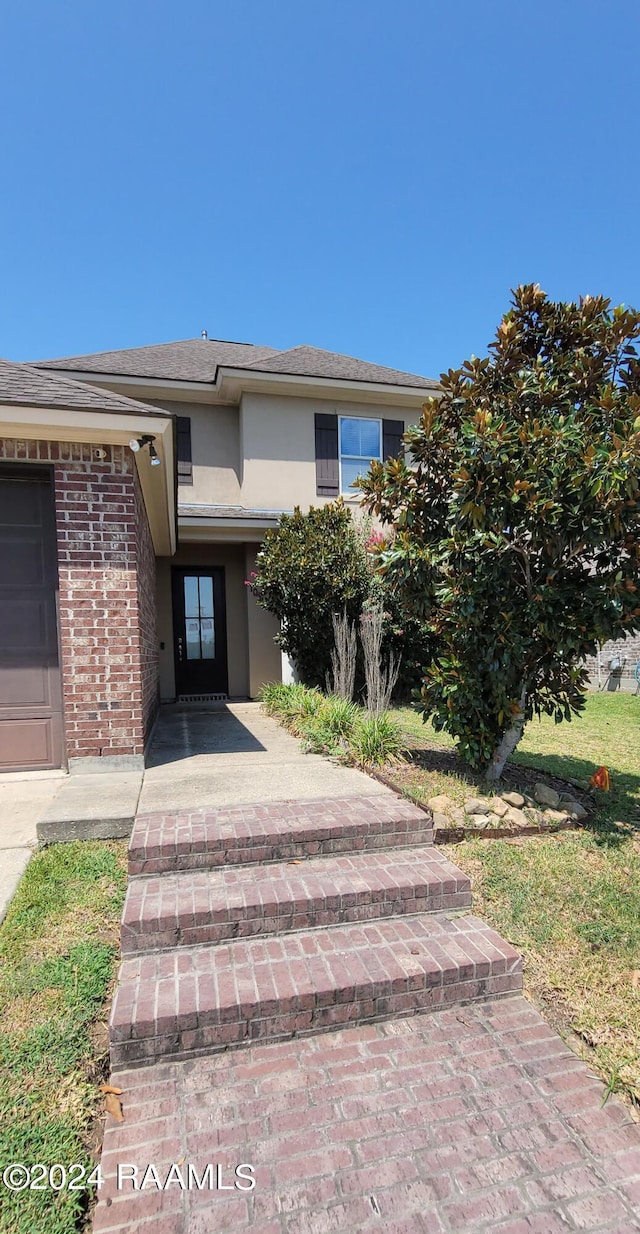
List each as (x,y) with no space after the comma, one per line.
(232,382)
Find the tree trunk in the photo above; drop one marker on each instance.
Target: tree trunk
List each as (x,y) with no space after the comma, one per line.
(507,744)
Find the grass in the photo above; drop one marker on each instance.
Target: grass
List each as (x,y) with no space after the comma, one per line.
(570,902)
(58,952)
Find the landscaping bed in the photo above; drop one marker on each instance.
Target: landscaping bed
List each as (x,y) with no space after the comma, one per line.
(59,949)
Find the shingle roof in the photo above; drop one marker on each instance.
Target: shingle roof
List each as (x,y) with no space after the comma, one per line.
(191,360)
(199,360)
(306,361)
(22,385)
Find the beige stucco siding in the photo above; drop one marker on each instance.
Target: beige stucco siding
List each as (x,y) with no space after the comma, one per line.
(277,442)
(265,660)
(215,450)
(232,558)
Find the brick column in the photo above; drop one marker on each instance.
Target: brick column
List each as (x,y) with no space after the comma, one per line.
(106,570)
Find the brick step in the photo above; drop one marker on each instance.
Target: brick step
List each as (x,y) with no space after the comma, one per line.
(212,906)
(192,1001)
(205,839)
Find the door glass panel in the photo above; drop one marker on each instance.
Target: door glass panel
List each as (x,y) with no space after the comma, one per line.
(199,617)
(191,601)
(207,637)
(193,638)
(206,596)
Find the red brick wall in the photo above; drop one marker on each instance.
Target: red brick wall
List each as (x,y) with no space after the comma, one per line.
(106,568)
(147,631)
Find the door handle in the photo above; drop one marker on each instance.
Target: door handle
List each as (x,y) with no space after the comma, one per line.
(179,648)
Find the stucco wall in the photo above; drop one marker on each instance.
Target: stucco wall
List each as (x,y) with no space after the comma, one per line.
(215,451)
(277,444)
(265,659)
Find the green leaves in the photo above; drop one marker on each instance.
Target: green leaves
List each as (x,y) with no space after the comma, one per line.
(525,474)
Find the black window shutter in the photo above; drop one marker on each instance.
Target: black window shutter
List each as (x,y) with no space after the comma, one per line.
(183,445)
(392,431)
(327,465)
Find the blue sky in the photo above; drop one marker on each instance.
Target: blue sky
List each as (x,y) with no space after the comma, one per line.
(366,176)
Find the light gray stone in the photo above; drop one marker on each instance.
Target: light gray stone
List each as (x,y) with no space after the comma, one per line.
(516,817)
(546,796)
(441,820)
(499,806)
(479,820)
(556,816)
(441,804)
(477,805)
(513,799)
(576,808)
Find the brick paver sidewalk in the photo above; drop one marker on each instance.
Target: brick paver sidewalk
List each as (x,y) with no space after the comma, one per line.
(262,927)
(475,1118)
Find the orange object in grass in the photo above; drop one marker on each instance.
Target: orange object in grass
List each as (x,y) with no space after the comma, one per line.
(600,779)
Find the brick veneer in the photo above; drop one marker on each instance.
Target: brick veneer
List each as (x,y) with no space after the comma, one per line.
(106,569)
(628,650)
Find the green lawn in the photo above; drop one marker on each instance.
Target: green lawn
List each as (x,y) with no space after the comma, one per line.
(59,946)
(570,902)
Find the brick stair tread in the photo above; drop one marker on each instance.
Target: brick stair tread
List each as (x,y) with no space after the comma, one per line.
(191,1001)
(191,907)
(200,839)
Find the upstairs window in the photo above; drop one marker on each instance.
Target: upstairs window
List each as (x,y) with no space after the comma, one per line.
(183,450)
(360,444)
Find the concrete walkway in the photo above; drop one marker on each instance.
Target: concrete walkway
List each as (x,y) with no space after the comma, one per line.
(233,756)
(24,799)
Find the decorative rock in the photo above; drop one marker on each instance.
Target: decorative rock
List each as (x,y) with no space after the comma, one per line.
(576,808)
(441,804)
(480,820)
(555,816)
(441,820)
(499,806)
(513,799)
(495,820)
(458,816)
(546,796)
(477,805)
(516,817)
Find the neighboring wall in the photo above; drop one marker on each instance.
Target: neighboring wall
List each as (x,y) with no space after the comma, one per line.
(106,571)
(627,650)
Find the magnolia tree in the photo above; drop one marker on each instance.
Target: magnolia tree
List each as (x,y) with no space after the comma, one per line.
(517,519)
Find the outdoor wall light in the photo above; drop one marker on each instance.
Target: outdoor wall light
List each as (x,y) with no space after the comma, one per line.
(147,439)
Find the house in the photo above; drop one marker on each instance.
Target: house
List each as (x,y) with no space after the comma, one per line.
(135,488)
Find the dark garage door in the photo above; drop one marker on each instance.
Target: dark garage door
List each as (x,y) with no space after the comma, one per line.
(30,691)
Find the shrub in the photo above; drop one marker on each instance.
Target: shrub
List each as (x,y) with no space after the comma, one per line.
(309,567)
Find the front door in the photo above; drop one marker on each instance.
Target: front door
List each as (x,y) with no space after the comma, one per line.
(200,631)
(31,731)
